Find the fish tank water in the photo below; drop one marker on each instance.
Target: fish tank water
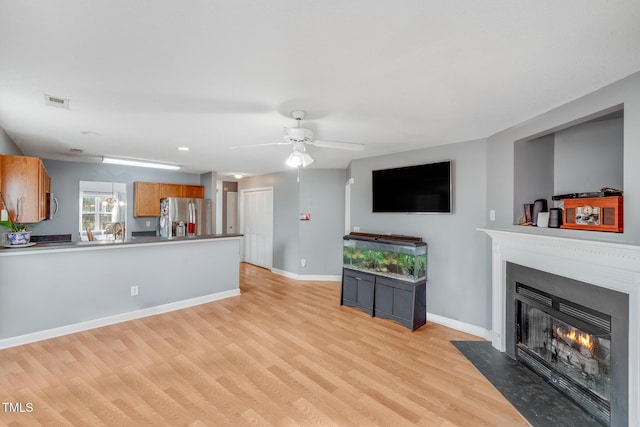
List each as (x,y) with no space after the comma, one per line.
(396,258)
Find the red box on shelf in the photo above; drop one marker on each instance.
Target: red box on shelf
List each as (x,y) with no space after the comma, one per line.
(595,214)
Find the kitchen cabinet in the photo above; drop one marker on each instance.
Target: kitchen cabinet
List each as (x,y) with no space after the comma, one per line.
(45,188)
(147,195)
(24,186)
(146,199)
(171,190)
(194,191)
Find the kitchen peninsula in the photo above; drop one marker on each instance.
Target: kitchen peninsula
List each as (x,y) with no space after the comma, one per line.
(50,290)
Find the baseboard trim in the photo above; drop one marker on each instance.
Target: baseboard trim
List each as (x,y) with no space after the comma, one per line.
(460,326)
(306,277)
(441,320)
(111,320)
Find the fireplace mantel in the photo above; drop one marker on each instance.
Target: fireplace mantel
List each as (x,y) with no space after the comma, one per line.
(606,264)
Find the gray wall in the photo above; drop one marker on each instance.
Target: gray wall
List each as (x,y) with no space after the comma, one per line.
(322,195)
(7,146)
(209,180)
(227,187)
(320,192)
(533,161)
(285,216)
(46,289)
(500,157)
(589,156)
(584,157)
(458,258)
(65,178)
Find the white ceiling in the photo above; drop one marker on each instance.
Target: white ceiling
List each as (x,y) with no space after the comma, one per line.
(151,75)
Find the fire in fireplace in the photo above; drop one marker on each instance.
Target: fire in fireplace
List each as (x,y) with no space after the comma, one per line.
(574,335)
(568,344)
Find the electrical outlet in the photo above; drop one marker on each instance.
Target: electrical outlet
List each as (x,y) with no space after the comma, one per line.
(135,291)
(356,229)
(492,215)
(147,223)
(303,262)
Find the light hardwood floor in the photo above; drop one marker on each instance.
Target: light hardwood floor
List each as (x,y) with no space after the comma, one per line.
(283,353)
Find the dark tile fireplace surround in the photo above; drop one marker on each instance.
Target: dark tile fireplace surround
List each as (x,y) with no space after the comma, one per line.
(567,344)
(573,335)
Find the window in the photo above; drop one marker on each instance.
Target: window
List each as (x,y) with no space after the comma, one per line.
(102,204)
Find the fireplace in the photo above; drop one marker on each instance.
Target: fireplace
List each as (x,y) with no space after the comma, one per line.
(576,362)
(574,335)
(564,308)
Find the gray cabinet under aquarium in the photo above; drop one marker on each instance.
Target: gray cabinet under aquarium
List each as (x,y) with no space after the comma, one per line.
(385,276)
(357,290)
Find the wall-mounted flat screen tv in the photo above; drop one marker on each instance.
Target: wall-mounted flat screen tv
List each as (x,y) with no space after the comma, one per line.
(423,188)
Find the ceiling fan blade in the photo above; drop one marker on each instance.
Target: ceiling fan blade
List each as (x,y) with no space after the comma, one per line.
(351,146)
(259,145)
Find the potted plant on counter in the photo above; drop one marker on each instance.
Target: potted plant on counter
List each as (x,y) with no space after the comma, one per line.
(18,234)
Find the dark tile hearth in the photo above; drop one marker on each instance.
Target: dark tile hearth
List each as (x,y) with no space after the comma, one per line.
(540,403)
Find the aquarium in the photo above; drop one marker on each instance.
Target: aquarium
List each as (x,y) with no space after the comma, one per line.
(385,256)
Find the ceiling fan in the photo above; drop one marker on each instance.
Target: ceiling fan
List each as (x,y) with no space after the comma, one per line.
(299,137)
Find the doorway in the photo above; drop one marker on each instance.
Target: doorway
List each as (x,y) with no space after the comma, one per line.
(256,224)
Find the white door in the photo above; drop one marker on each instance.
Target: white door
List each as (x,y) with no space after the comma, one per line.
(232,212)
(256,224)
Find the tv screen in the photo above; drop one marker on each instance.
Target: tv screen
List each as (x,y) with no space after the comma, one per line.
(419,189)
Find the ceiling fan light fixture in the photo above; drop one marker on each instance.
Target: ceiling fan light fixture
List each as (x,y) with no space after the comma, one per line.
(294,160)
(298,135)
(299,158)
(306,159)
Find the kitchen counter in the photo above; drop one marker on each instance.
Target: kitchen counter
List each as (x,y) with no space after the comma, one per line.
(53,289)
(107,244)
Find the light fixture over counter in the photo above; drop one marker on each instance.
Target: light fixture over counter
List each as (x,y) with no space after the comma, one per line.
(138,163)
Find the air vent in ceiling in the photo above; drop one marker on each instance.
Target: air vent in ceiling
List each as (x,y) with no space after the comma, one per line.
(54,101)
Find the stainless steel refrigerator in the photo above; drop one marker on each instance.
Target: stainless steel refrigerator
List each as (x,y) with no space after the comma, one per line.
(181,216)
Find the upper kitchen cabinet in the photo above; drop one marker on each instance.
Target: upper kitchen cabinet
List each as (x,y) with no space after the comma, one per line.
(25,184)
(146,199)
(194,191)
(171,190)
(147,195)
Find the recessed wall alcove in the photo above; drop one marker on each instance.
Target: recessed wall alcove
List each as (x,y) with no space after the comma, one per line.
(582,156)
